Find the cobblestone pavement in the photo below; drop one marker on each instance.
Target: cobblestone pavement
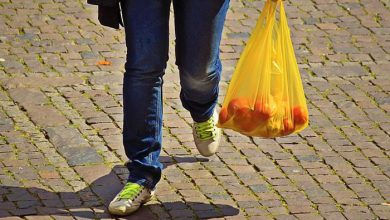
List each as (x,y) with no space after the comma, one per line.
(61,155)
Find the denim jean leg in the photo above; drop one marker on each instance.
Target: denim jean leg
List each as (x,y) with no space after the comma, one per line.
(199,25)
(147,53)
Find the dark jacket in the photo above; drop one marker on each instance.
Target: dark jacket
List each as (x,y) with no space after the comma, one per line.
(109,12)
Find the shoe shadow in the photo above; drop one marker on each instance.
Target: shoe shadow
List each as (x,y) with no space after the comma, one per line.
(92,201)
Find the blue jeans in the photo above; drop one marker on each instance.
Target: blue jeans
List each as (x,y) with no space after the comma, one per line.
(198,27)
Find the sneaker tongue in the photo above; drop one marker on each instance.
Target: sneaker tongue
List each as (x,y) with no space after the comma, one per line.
(206,135)
(130,190)
(205,130)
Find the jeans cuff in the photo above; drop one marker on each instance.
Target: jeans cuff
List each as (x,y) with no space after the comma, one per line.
(141,181)
(201,119)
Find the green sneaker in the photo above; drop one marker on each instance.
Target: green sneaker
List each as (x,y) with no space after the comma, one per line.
(207,136)
(129,199)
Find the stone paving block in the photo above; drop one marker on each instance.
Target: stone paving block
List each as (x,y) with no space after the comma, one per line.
(346,71)
(40,81)
(56,118)
(28,96)
(38,217)
(334,168)
(66,137)
(107,79)
(80,155)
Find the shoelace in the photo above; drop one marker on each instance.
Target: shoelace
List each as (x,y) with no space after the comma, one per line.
(130,191)
(205,130)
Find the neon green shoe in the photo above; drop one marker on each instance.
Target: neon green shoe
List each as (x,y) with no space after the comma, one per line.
(129,199)
(207,136)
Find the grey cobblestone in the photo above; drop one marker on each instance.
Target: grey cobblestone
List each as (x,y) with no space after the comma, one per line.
(61,153)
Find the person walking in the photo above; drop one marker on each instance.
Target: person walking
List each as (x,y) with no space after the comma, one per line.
(198,28)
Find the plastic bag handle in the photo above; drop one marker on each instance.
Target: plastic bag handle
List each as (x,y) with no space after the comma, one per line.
(283,18)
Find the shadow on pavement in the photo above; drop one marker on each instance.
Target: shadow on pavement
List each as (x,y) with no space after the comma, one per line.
(20,201)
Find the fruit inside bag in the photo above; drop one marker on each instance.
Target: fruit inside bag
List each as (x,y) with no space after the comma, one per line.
(265,97)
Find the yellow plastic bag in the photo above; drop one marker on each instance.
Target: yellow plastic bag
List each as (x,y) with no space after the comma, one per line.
(265,97)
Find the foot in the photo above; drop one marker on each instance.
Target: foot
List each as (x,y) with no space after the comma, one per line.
(207,135)
(129,199)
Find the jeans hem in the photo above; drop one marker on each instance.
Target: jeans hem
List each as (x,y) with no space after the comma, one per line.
(141,181)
